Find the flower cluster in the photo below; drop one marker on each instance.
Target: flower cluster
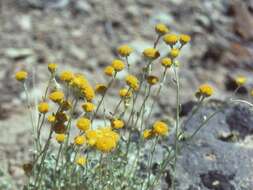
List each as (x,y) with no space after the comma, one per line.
(100,146)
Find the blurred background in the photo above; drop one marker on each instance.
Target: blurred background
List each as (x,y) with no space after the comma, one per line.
(82,35)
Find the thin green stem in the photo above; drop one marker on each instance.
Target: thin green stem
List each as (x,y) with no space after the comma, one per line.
(102,98)
(41,166)
(151,156)
(177,126)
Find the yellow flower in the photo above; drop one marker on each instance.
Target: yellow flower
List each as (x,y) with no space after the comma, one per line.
(152,80)
(104,139)
(89,93)
(109,71)
(117,123)
(125,93)
(161,29)
(170,39)
(240,80)
(66,76)
(88,107)
(51,118)
(80,140)
(43,107)
(132,81)
(60,138)
(174,52)
(160,128)
(251,92)
(151,53)
(83,124)
(100,88)
(105,144)
(125,50)
(52,67)
(91,136)
(21,76)
(79,81)
(81,160)
(56,96)
(184,39)
(118,65)
(205,90)
(147,133)
(166,62)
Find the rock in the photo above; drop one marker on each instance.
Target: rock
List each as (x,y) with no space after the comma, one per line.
(132,11)
(208,162)
(82,7)
(215,179)
(162,17)
(77,52)
(186,108)
(240,119)
(25,23)
(15,53)
(243,25)
(41,4)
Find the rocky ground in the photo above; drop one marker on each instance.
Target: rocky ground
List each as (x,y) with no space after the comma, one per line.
(83,35)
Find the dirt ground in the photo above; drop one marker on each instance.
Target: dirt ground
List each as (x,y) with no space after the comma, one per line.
(83,35)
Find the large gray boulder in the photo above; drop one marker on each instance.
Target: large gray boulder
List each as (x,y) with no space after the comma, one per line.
(220,157)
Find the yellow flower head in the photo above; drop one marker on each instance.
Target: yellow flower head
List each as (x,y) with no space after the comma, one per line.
(88,93)
(56,96)
(66,76)
(104,139)
(105,144)
(79,81)
(21,76)
(161,29)
(174,53)
(152,80)
(117,123)
(125,50)
(60,138)
(81,160)
(125,93)
(205,90)
(43,107)
(160,128)
(132,81)
(240,80)
(166,62)
(184,39)
(147,134)
(51,118)
(88,107)
(151,53)
(118,65)
(109,71)
(83,124)
(80,140)
(100,88)
(92,136)
(170,39)
(52,67)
